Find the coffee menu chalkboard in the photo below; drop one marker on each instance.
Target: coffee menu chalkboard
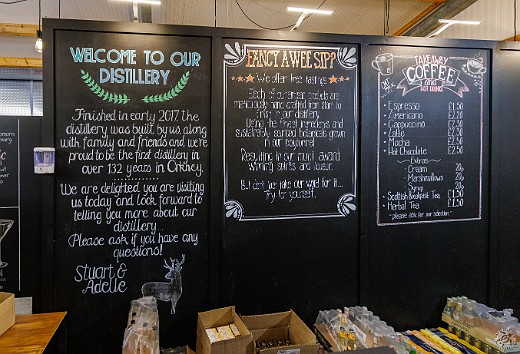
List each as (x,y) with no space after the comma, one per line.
(132,172)
(290,130)
(431,107)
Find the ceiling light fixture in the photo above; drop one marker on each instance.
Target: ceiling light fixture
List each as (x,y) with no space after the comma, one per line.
(38,46)
(448,23)
(306,12)
(149,2)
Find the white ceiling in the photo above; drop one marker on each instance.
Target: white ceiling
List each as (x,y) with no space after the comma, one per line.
(349,17)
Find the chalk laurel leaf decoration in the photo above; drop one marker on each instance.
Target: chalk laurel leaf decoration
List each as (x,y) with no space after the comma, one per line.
(346,57)
(235,54)
(346,204)
(101,92)
(234,209)
(174,92)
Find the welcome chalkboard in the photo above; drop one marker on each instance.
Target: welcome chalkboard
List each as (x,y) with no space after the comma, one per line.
(290,126)
(431,108)
(132,172)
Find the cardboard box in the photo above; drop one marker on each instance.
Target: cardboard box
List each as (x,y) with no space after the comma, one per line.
(281,325)
(221,317)
(6,311)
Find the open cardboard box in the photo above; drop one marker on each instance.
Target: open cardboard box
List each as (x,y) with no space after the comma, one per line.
(281,325)
(6,311)
(221,317)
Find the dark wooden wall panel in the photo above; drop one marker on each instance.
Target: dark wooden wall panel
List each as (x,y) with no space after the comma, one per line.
(506,178)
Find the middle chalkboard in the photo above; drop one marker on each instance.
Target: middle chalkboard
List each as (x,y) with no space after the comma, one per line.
(290,123)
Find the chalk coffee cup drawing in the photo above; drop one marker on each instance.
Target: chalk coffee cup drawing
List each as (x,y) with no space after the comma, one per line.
(475,67)
(384,63)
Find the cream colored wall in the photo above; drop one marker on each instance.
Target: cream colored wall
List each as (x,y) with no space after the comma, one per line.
(496,18)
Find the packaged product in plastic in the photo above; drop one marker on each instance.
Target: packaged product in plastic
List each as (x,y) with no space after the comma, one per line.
(142,332)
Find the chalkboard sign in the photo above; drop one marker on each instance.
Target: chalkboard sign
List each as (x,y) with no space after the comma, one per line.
(290,130)
(20,199)
(431,108)
(132,172)
(9,204)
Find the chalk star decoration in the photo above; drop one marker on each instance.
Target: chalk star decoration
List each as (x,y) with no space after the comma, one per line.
(240,78)
(333,79)
(232,78)
(249,78)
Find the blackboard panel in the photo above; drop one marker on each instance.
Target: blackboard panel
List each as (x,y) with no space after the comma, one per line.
(303,264)
(411,266)
(414,269)
(9,204)
(20,200)
(132,174)
(9,159)
(431,107)
(290,182)
(290,123)
(507,176)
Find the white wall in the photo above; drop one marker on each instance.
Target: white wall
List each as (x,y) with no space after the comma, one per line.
(496,18)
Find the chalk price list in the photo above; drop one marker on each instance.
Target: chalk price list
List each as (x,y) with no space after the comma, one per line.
(456,147)
(431,155)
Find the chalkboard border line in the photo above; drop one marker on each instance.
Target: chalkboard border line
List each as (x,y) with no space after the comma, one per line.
(481,125)
(240,55)
(19,211)
(293,216)
(428,221)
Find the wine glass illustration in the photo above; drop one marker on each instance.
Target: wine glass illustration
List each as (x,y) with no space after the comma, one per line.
(5,225)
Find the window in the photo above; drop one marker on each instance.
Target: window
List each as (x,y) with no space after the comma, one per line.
(21,92)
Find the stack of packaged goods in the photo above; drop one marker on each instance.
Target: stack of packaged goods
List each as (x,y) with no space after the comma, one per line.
(217,334)
(374,331)
(473,328)
(142,331)
(489,330)
(357,328)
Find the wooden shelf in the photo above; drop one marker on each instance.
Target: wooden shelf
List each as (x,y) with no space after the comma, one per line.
(31,333)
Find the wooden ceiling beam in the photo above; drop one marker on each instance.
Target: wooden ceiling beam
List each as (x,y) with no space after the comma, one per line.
(513,39)
(16,29)
(418,18)
(20,62)
(430,22)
